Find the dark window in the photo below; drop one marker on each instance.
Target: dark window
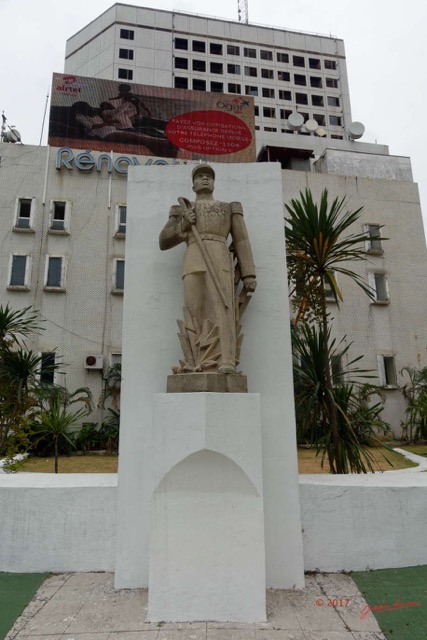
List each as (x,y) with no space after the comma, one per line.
(320,119)
(266,55)
(337,370)
(127,34)
(119,276)
(181,43)
(335,121)
(285,113)
(267,93)
(256,127)
(199,45)
(217,67)
(181,83)
(267,73)
(199,65)
(234,88)
(390,378)
(47,368)
(121,219)
(17,274)
(330,64)
(336,137)
(317,101)
(126,54)
(215,48)
(314,63)
(282,57)
(199,85)
(268,112)
(285,95)
(24,213)
(54,272)
(301,98)
(300,80)
(233,68)
(315,82)
(181,63)
(251,71)
(125,74)
(284,76)
(58,216)
(249,53)
(257,111)
(333,101)
(272,129)
(217,87)
(332,83)
(299,61)
(232,50)
(251,91)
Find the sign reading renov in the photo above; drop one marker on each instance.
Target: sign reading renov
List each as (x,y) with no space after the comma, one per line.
(86,161)
(108,115)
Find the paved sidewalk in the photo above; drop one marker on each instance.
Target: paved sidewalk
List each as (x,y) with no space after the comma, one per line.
(85,606)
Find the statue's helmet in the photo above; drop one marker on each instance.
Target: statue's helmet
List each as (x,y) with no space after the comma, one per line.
(202,167)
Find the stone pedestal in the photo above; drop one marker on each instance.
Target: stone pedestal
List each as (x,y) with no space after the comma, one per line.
(206,553)
(211,382)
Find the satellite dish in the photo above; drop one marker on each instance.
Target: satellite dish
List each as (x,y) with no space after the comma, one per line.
(320,132)
(295,121)
(311,125)
(356,130)
(12,135)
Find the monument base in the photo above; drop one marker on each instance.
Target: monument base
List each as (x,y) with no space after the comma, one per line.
(209,382)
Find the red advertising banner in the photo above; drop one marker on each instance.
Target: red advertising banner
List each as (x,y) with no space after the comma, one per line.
(155,121)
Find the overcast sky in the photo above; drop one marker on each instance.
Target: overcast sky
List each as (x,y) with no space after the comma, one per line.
(384,41)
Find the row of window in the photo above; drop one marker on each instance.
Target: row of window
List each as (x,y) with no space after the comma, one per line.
(270,112)
(55,273)
(387,376)
(59,219)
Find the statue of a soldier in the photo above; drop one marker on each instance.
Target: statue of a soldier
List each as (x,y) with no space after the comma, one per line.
(211,280)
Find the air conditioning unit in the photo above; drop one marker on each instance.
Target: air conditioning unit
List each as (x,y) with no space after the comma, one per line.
(94,362)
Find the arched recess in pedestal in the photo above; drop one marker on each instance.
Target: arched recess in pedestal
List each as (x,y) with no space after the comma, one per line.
(207,558)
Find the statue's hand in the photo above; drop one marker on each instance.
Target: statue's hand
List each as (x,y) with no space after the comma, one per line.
(249,283)
(188,219)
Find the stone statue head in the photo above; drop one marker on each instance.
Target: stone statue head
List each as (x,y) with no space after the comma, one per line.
(206,168)
(203,179)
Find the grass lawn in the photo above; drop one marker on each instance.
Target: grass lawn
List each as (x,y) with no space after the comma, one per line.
(16,591)
(308,462)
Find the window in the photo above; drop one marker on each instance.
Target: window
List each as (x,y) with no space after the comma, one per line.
(181,63)
(379,285)
(126,54)
(233,68)
(387,371)
(267,93)
(249,53)
(315,82)
(267,73)
(24,208)
(125,74)
(320,119)
(251,91)
(299,61)
(199,45)
(329,294)
(121,219)
(217,67)
(374,244)
(47,367)
(333,101)
(268,112)
(314,63)
(335,137)
(181,43)
(217,87)
(115,358)
(199,85)
(119,275)
(266,55)
(317,101)
(335,121)
(337,370)
(301,98)
(199,65)
(300,80)
(251,71)
(285,95)
(234,88)
(55,273)
(19,271)
(256,111)
(181,83)
(330,64)
(215,48)
(285,113)
(58,217)
(271,129)
(232,50)
(284,76)
(127,34)
(282,57)
(332,83)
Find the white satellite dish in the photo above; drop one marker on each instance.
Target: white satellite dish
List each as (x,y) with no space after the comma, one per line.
(356,130)
(295,121)
(320,132)
(311,125)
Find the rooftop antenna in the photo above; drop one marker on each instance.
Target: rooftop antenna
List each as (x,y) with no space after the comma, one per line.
(44,118)
(242,11)
(7,133)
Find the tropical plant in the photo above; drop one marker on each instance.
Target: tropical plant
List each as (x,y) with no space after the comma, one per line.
(89,437)
(110,430)
(415,393)
(112,386)
(318,246)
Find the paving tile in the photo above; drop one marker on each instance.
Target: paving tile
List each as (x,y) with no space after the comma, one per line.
(351,615)
(239,625)
(181,625)
(54,617)
(231,634)
(281,613)
(11,636)
(86,636)
(119,611)
(328,635)
(312,617)
(280,634)
(148,634)
(338,585)
(88,580)
(181,634)
(56,580)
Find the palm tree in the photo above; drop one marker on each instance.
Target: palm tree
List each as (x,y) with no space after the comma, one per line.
(319,245)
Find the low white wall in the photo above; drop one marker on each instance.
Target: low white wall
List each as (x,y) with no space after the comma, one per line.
(67,522)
